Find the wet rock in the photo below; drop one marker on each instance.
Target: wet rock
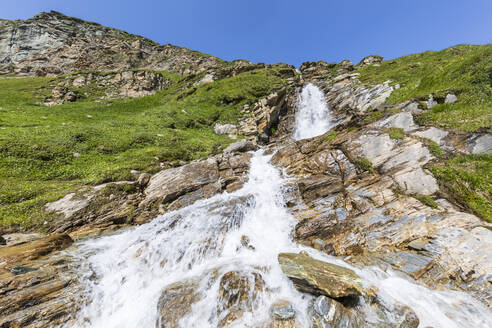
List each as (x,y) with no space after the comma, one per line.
(175,302)
(21,270)
(320,278)
(282,310)
(237,292)
(167,185)
(393,315)
(326,312)
(239,289)
(33,250)
(38,287)
(2,240)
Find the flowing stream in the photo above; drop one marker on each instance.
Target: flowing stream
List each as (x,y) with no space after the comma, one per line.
(242,231)
(313,114)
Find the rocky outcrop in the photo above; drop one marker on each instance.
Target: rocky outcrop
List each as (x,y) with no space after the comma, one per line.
(108,206)
(369,60)
(127,84)
(38,286)
(52,43)
(318,277)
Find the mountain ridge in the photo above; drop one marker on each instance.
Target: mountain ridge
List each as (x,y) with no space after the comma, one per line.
(51,43)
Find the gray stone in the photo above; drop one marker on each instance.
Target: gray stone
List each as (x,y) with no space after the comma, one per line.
(328,313)
(434,134)
(68,205)
(403,120)
(482,144)
(240,146)
(431,102)
(450,98)
(143,179)
(368,60)
(416,181)
(225,129)
(282,310)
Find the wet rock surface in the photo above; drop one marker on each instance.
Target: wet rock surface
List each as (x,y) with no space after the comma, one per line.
(320,278)
(38,285)
(175,302)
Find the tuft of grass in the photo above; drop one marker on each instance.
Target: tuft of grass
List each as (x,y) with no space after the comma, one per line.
(363,164)
(464,70)
(38,143)
(330,137)
(468,180)
(434,148)
(426,200)
(396,133)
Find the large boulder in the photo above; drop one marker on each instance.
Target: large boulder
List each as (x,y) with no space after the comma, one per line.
(237,291)
(175,302)
(320,278)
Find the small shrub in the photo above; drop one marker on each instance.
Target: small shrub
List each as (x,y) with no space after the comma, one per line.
(396,133)
(330,137)
(363,164)
(434,148)
(426,200)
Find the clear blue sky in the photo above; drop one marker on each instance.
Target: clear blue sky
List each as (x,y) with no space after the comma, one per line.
(285,30)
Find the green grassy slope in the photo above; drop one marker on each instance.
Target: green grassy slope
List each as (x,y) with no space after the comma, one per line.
(464,70)
(37,143)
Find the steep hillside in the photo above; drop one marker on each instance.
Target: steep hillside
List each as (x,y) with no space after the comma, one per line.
(52,43)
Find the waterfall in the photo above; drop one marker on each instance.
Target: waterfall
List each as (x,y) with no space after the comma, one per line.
(313,114)
(124,274)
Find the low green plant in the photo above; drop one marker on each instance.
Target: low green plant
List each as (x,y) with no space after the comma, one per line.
(330,137)
(426,200)
(434,148)
(468,180)
(396,133)
(363,164)
(47,152)
(463,70)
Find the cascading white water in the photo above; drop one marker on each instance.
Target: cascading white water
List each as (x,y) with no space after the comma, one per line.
(125,273)
(313,114)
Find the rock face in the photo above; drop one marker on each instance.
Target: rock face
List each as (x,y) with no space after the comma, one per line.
(368,60)
(52,43)
(33,250)
(37,285)
(320,278)
(175,302)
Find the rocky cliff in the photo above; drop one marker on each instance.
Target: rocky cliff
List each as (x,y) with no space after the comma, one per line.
(52,43)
